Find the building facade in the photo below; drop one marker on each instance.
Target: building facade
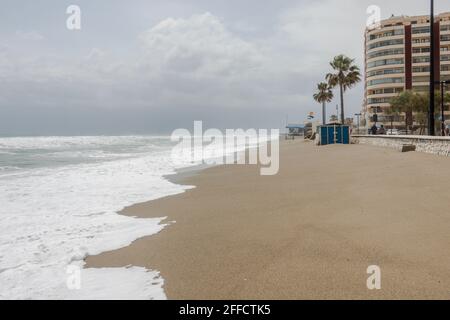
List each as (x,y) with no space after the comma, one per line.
(397,58)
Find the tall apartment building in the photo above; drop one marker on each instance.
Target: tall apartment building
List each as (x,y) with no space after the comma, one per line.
(397,58)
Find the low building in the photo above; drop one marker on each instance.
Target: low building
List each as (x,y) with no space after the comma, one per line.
(295,130)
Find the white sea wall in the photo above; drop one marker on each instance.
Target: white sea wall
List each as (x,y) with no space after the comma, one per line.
(427,144)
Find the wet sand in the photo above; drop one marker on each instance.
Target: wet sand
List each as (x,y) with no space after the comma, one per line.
(309,232)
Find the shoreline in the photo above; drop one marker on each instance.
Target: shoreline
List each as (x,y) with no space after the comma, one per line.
(294,236)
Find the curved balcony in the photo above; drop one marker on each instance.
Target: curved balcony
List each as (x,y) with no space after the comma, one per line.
(395,30)
(395,42)
(425,44)
(387,38)
(386,57)
(388,72)
(445,28)
(381,95)
(380,102)
(385,64)
(420,54)
(380,105)
(420,64)
(385,85)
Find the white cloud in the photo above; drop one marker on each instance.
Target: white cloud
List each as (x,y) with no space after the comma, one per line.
(30,35)
(199,46)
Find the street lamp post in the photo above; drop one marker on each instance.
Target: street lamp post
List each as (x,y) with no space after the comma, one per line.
(443,86)
(431,128)
(442,108)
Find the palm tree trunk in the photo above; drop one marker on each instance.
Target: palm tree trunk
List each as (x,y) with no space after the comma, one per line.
(324,111)
(342,103)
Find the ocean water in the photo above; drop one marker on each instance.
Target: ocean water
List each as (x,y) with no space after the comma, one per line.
(59,198)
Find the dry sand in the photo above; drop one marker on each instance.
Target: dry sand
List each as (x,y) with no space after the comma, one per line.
(309,232)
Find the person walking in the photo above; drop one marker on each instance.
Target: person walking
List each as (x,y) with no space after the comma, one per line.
(374,129)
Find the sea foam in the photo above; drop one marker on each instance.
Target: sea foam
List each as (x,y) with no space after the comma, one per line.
(57,208)
(59,198)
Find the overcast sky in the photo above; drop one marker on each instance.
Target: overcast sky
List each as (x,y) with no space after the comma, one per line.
(150,66)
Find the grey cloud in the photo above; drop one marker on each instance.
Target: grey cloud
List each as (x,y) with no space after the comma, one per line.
(150,66)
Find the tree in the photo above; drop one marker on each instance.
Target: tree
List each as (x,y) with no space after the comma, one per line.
(420,104)
(438,106)
(346,76)
(403,103)
(323,95)
(410,102)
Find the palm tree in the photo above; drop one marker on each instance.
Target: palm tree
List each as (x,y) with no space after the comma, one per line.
(323,95)
(346,76)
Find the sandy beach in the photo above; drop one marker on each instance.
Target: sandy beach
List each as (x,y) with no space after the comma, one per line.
(309,232)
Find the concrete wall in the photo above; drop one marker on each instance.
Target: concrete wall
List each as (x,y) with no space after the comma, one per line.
(433,145)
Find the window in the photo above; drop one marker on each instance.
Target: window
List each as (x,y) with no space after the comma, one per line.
(378,100)
(385,53)
(420,50)
(393,90)
(421,69)
(386,80)
(421,59)
(385,91)
(421,40)
(376,109)
(385,43)
(385,62)
(445,37)
(396,32)
(385,71)
(418,30)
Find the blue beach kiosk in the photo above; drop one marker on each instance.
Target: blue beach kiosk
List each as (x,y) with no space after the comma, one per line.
(334,134)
